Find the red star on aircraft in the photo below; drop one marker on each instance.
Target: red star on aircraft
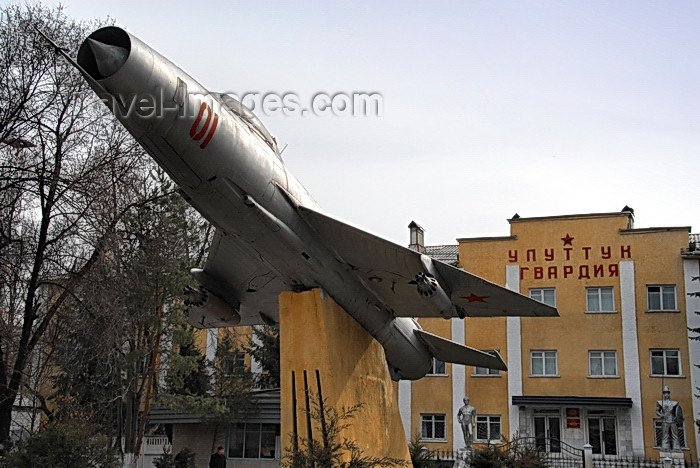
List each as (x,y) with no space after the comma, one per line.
(474,298)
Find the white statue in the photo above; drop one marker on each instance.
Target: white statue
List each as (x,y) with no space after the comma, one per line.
(466,417)
(671,416)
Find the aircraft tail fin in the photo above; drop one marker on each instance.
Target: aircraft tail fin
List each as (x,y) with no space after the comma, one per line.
(449,351)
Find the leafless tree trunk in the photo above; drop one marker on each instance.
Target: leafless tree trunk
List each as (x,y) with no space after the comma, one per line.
(58,211)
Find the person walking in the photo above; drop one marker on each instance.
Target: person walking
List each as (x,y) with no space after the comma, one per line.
(218,459)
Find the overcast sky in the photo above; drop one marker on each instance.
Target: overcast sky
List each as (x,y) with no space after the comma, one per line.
(489,107)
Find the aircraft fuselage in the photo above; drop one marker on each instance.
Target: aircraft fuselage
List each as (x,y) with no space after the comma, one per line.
(228,167)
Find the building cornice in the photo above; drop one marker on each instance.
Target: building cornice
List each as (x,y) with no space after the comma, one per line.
(544,400)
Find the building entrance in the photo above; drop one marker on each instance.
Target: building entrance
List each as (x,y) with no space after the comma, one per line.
(548,430)
(601,432)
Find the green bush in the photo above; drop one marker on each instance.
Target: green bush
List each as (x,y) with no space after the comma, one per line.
(168,460)
(333,450)
(528,457)
(516,455)
(488,456)
(421,456)
(61,445)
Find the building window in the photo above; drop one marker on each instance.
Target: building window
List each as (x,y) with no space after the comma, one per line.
(665,362)
(600,299)
(544,295)
(432,427)
(437,368)
(488,429)
(661,297)
(253,440)
(543,363)
(486,370)
(233,363)
(602,363)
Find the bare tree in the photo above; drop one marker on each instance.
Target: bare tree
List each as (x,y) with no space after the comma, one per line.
(107,369)
(24,64)
(94,245)
(62,198)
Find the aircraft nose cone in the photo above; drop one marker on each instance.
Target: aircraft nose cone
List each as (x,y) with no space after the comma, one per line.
(108,58)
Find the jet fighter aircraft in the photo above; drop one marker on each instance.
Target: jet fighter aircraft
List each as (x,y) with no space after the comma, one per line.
(271,236)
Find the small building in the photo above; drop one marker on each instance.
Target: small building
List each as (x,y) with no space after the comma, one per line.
(253,442)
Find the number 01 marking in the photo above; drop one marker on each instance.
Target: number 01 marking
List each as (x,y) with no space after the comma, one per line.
(198,135)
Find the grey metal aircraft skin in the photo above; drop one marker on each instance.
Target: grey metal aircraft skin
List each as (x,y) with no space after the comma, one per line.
(271,236)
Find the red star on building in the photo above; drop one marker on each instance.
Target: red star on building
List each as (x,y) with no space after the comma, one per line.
(567,240)
(474,298)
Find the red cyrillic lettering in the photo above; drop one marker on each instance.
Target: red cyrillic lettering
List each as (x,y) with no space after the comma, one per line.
(549,255)
(552,272)
(539,272)
(568,270)
(606,252)
(585,252)
(568,252)
(583,272)
(598,271)
(522,272)
(512,256)
(534,255)
(625,250)
(614,270)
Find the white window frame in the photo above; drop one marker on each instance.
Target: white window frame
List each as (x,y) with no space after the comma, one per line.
(666,355)
(437,368)
(540,295)
(492,423)
(485,371)
(543,355)
(434,421)
(663,289)
(232,361)
(603,356)
(599,295)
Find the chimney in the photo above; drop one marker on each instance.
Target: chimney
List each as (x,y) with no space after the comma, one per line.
(417,237)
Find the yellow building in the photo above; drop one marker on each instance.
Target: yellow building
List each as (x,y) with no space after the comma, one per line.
(592,375)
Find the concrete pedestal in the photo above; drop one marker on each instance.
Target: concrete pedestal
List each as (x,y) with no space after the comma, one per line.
(317,335)
(463,456)
(677,458)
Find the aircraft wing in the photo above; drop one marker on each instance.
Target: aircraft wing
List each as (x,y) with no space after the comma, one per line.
(239,276)
(448,351)
(389,271)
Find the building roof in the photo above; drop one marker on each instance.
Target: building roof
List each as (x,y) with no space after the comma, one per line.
(266,403)
(445,253)
(518,218)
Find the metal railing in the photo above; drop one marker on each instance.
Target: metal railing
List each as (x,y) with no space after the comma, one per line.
(632,462)
(557,454)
